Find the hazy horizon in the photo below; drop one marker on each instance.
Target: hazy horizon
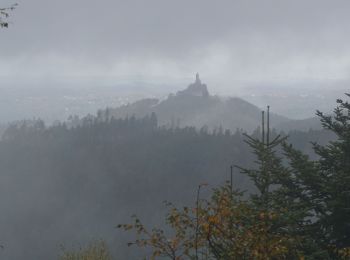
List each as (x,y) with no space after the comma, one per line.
(199,117)
(232,44)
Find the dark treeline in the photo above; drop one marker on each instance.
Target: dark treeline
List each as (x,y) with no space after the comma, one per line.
(67,184)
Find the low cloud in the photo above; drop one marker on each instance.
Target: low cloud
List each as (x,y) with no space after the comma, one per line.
(225,40)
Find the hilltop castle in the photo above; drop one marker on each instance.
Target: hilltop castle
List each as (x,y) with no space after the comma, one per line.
(195,89)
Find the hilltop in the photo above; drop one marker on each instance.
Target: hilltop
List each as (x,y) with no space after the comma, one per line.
(195,106)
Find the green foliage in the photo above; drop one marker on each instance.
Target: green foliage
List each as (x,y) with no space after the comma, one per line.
(301,210)
(334,169)
(276,197)
(95,251)
(266,226)
(224,227)
(97,167)
(325,183)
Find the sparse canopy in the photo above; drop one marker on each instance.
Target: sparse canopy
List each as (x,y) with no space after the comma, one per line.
(4,14)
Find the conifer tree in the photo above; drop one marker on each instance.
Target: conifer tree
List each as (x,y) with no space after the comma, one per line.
(267,225)
(283,212)
(325,183)
(300,210)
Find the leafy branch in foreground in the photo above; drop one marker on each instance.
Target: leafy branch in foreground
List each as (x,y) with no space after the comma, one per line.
(4,14)
(224,227)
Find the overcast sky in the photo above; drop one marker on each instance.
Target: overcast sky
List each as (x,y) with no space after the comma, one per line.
(225,41)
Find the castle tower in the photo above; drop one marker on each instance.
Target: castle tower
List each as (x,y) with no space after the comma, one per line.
(198,81)
(195,89)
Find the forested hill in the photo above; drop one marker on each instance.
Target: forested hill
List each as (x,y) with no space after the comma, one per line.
(63,185)
(194,106)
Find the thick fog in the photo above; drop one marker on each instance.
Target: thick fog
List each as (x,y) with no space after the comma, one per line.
(228,42)
(102,114)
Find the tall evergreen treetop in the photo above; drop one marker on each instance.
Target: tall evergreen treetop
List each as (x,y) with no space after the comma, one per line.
(334,168)
(325,183)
